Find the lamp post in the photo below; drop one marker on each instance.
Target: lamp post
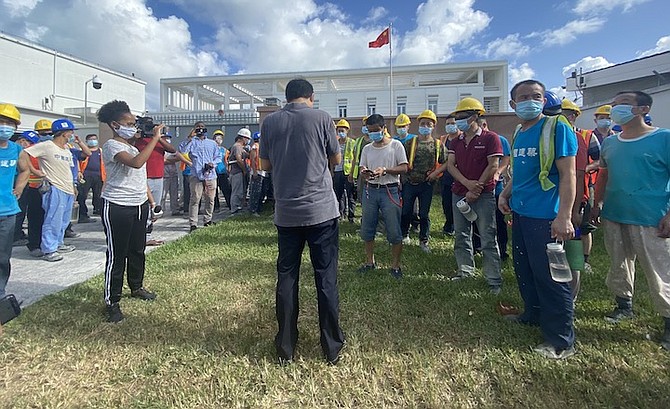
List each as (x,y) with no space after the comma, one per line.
(97,84)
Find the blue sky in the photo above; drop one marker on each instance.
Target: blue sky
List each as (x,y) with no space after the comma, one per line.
(173,38)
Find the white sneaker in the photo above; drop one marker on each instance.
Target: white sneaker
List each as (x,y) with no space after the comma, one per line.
(424,247)
(549,351)
(406,240)
(55,256)
(65,248)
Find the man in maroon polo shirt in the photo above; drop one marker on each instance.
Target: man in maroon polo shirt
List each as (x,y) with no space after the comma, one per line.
(472,161)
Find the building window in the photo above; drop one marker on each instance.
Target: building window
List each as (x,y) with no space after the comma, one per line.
(492,104)
(432,103)
(342,108)
(401,105)
(316,104)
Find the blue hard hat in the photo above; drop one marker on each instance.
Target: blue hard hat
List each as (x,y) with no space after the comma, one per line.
(647,119)
(30,136)
(63,124)
(553,101)
(256,136)
(616,128)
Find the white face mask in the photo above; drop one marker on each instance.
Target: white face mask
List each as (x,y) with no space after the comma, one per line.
(126,132)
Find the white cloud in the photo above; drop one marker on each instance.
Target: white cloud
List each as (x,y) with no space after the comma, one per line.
(586,64)
(600,6)
(20,8)
(663,44)
(34,32)
(520,73)
(375,14)
(509,46)
(569,32)
(562,93)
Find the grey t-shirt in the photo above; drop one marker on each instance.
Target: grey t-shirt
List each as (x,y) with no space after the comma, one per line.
(234,150)
(125,186)
(298,140)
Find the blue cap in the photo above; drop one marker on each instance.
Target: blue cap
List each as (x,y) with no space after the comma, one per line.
(60,125)
(256,136)
(647,119)
(30,136)
(616,128)
(553,101)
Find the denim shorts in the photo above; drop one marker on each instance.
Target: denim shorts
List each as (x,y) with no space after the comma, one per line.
(384,200)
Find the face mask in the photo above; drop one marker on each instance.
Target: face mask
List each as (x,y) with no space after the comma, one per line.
(364,129)
(451,128)
(126,132)
(622,114)
(92,143)
(6,132)
(604,123)
(219,141)
(425,130)
(402,131)
(71,140)
(376,136)
(342,134)
(44,138)
(528,110)
(462,124)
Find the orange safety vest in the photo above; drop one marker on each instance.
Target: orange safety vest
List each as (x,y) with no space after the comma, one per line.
(84,163)
(586,136)
(34,181)
(412,152)
(258,156)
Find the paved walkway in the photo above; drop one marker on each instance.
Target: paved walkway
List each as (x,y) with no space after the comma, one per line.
(33,278)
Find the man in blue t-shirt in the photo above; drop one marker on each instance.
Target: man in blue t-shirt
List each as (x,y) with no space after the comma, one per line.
(636,210)
(540,197)
(14,173)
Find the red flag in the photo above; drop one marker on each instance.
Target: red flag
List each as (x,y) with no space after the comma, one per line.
(381,40)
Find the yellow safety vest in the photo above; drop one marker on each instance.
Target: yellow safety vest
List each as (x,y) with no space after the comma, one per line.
(358,148)
(412,152)
(348,159)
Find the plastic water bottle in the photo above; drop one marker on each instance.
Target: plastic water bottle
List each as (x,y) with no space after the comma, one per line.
(466,210)
(558,263)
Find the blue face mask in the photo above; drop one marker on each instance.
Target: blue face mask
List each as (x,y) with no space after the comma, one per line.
(425,130)
(451,128)
(92,143)
(376,136)
(364,129)
(604,123)
(44,138)
(622,114)
(342,134)
(6,132)
(71,140)
(528,110)
(462,124)
(402,131)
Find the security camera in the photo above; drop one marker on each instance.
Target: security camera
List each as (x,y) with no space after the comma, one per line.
(97,84)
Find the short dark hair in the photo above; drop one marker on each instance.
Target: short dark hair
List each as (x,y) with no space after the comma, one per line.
(512,93)
(450,116)
(89,136)
(298,88)
(375,119)
(198,123)
(112,111)
(641,98)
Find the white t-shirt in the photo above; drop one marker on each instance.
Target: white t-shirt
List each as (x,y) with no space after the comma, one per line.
(56,163)
(125,186)
(387,156)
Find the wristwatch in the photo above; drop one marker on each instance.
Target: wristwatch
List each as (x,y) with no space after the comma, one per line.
(384,172)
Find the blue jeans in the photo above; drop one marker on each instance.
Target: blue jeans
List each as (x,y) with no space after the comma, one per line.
(485,207)
(57,207)
(7,224)
(546,302)
(424,193)
(387,201)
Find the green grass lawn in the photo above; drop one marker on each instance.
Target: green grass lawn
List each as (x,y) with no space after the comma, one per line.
(207,341)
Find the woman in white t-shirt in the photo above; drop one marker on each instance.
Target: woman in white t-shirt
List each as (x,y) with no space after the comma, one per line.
(125,206)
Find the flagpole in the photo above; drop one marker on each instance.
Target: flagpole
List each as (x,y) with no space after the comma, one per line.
(390,71)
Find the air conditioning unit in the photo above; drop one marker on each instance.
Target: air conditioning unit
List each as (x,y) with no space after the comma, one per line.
(272,102)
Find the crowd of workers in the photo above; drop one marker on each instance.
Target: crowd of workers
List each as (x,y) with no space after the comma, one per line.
(552,181)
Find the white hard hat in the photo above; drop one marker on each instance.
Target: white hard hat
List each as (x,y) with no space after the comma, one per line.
(244,132)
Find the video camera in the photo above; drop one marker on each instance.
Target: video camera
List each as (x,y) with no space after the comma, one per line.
(145,124)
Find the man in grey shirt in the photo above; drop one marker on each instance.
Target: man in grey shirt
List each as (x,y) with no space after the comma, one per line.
(299,145)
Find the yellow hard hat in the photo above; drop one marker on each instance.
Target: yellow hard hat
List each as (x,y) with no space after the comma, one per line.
(566,104)
(217,132)
(470,104)
(365,119)
(43,125)
(10,111)
(603,110)
(342,123)
(427,114)
(403,120)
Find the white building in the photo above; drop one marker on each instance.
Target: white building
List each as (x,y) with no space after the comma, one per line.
(648,74)
(233,100)
(45,83)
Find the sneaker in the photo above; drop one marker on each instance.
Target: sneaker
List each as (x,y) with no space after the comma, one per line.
(55,256)
(36,253)
(618,315)
(495,289)
(549,351)
(406,240)
(366,267)
(192,229)
(461,275)
(114,313)
(396,273)
(588,269)
(69,234)
(209,223)
(449,233)
(284,361)
(424,247)
(177,213)
(19,242)
(335,360)
(143,294)
(65,248)
(86,220)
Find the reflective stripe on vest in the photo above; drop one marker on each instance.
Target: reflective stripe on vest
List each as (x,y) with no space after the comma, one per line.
(412,152)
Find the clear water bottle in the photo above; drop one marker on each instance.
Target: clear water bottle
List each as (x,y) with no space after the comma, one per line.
(466,210)
(558,263)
